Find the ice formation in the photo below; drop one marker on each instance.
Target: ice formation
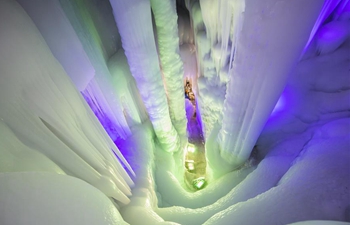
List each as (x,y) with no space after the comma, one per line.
(140,49)
(172,67)
(43,111)
(259,70)
(93,111)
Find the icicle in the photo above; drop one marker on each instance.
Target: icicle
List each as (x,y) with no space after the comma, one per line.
(103,91)
(260,70)
(44,111)
(125,87)
(62,41)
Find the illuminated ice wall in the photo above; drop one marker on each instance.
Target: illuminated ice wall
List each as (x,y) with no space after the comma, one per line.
(94,123)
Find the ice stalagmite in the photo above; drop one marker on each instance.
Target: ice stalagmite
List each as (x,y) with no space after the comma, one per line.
(270,43)
(164,12)
(133,19)
(41,111)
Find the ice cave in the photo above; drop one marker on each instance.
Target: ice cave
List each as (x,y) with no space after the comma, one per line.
(149,112)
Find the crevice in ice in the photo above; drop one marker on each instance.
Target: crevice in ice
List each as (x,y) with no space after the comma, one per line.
(194,154)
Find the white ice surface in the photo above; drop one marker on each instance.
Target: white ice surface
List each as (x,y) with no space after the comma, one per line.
(42,108)
(62,41)
(126,89)
(34,198)
(300,163)
(165,17)
(260,70)
(140,50)
(80,15)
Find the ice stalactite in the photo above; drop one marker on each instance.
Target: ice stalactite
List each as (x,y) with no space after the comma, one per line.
(100,88)
(125,87)
(140,49)
(260,70)
(214,23)
(165,16)
(40,110)
(62,41)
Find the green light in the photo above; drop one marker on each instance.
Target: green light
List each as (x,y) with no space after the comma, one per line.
(199,183)
(189,165)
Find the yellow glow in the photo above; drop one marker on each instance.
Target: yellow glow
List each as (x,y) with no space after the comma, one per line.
(190,165)
(191,148)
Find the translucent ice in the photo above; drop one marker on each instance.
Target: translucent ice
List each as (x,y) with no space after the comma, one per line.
(42,108)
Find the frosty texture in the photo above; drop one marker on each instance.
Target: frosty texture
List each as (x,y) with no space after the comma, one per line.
(140,49)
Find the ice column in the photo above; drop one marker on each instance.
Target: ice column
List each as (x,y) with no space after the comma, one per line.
(164,12)
(134,21)
(272,38)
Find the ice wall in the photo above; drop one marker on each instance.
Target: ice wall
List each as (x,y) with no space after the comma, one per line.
(82,43)
(45,117)
(62,41)
(139,45)
(99,43)
(260,69)
(165,16)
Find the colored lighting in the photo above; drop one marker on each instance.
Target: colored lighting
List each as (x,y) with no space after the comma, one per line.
(199,183)
(191,148)
(189,165)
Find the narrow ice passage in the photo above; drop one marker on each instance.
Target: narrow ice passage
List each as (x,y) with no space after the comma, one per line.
(93,95)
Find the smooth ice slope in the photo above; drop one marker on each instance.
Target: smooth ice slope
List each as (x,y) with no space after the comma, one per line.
(17,157)
(46,198)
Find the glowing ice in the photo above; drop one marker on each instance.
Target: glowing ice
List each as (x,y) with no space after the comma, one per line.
(165,16)
(140,49)
(46,113)
(260,70)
